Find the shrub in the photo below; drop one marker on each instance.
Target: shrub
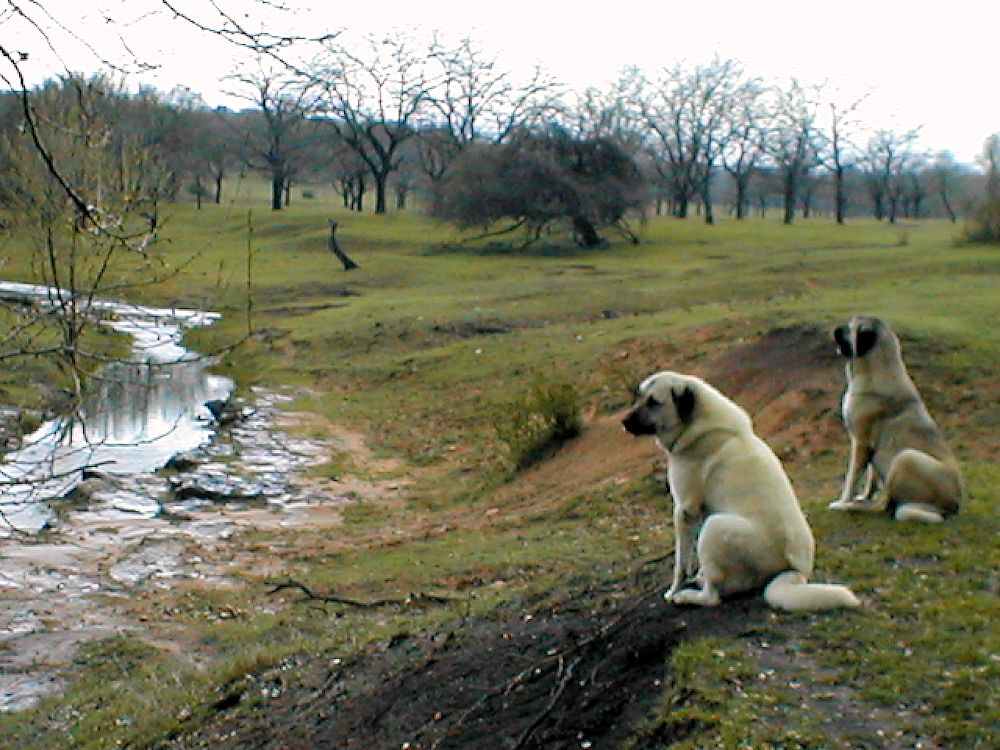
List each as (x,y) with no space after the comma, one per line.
(535,425)
(984,224)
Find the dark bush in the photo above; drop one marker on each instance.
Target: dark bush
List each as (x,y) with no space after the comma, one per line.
(984,224)
(540,181)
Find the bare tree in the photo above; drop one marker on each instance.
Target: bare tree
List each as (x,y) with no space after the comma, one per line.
(278,133)
(71,143)
(611,112)
(984,224)
(886,160)
(542,180)
(841,152)
(990,160)
(371,100)
(691,113)
(470,99)
(792,140)
(944,173)
(662,105)
(743,150)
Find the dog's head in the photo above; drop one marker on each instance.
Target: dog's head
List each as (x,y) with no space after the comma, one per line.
(864,334)
(665,405)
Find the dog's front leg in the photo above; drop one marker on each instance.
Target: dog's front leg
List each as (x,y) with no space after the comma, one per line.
(682,548)
(857,461)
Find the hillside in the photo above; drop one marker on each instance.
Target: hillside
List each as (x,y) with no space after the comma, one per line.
(445,600)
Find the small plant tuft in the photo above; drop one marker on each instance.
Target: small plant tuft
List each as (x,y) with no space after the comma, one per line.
(536,424)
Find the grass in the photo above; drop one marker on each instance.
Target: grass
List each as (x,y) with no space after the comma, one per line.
(426,340)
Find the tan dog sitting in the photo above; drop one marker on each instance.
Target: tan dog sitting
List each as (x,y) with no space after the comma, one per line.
(895,444)
(731,497)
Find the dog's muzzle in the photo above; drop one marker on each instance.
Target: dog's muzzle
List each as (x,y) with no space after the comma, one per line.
(634,424)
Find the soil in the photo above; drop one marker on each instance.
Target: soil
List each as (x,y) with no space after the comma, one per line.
(579,675)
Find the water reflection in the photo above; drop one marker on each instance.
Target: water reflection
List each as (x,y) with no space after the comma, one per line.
(136,415)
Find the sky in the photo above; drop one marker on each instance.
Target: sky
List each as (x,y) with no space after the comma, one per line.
(916,65)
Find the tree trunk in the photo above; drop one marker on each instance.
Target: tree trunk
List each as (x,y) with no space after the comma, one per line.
(840,198)
(218,188)
(277,188)
(741,199)
(585,231)
(789,199)
(334,245)
(359,195)
(947,207)
(380,188)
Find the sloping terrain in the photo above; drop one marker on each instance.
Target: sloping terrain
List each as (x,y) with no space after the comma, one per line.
(587,666)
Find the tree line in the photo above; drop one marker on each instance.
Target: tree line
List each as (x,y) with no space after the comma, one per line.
(393,117)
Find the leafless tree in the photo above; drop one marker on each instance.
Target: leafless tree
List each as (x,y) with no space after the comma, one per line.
(610,113)
(743,151)
(277,134)
(984,223)
(792,140)
(944,177)
(691,113)
(841,153)
(887,158)
(372,99)
(72,143)
(470,99)
(990,160)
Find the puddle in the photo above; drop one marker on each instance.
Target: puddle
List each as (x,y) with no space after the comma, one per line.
(60,588)
(126,527)
(134,417)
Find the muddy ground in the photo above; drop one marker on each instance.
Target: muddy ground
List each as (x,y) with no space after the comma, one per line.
(587,672)
(580,675)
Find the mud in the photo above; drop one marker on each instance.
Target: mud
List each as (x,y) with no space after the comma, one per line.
(583,675)
(60,588)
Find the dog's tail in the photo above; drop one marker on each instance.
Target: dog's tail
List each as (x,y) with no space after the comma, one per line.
(918,512)
(790,590)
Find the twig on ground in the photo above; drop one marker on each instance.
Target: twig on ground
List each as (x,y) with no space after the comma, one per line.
(411,600)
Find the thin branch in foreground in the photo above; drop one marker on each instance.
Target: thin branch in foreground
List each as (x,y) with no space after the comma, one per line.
(411,600)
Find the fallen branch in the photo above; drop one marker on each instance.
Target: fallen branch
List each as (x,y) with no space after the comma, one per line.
(556,695)
(410,600)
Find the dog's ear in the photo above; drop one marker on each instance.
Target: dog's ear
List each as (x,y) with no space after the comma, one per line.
(684,403)
(842,335)
(865,340)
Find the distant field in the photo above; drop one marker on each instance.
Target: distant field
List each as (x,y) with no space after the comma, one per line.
(422,348)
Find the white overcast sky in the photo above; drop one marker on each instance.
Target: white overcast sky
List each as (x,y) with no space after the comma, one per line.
(931,65)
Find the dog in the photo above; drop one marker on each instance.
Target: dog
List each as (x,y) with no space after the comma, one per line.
(895,445)
(732,500)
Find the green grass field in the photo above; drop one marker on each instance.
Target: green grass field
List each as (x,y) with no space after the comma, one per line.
(428,342)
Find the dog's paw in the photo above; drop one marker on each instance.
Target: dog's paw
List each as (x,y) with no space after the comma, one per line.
(695,597)
(843,505)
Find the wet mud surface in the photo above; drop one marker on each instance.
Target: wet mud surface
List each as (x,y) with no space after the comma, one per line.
(59,588)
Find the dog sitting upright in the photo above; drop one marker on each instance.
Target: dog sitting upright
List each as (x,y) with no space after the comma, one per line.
(731,498)
(895,444)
